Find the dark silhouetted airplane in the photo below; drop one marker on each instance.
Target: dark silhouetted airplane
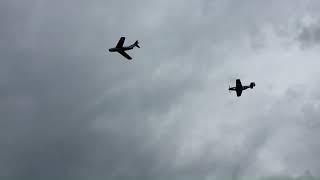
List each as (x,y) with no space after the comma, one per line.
(121,49)
(239,88)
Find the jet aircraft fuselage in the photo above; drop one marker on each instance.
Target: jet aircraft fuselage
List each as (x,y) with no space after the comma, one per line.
(125,48)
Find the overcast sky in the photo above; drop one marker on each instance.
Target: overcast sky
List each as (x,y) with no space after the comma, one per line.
(70,108)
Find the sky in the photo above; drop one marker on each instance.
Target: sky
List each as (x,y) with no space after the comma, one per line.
(70,108)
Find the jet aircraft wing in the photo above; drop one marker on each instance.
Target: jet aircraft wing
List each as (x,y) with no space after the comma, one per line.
(120,42)
(125,54)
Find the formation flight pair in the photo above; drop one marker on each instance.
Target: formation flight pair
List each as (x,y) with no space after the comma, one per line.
(239,88)
(121,49)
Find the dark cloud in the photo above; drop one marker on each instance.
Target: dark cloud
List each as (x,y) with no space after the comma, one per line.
(71,109)
(310,35)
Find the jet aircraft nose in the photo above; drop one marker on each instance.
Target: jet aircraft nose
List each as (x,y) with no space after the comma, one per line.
(112,50)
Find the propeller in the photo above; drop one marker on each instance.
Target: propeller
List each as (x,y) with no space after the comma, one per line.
(229,90)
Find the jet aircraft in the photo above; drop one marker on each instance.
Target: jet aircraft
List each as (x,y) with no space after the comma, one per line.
(239,88)
(121,49)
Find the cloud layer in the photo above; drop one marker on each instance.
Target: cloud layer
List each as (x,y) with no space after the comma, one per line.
(69,108)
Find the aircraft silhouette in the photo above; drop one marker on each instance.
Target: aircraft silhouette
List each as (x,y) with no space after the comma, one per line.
(121,49)
(239,88)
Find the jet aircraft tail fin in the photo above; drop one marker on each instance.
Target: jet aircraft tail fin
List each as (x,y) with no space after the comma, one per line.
(137,44)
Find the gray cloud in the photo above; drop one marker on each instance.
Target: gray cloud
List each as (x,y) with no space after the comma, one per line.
(310,35)
(71,109)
